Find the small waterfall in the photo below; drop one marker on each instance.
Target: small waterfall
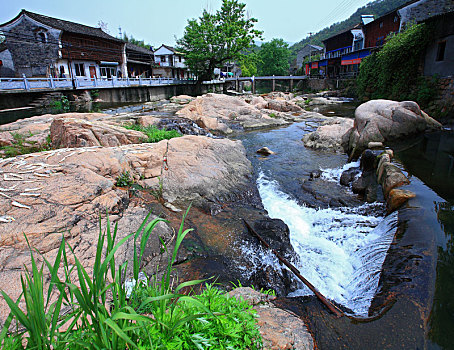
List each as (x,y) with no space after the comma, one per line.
(334,175)
(341,251)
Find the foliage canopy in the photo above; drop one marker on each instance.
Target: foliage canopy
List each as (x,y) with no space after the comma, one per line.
(274,58)
(215,38)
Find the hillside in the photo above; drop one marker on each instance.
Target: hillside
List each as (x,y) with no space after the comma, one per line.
(376,8)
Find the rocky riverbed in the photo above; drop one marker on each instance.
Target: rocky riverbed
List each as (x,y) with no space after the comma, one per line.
(73,181)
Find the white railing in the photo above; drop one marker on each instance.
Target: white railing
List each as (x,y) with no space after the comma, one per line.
(25,83)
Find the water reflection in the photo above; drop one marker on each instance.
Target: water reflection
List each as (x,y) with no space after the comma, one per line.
(431,158)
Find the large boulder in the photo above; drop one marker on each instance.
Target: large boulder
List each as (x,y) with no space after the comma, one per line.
(63,192)
(384,121)
(71,132)
(329,134)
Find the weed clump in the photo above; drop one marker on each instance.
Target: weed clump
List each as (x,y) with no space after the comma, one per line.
(153,133)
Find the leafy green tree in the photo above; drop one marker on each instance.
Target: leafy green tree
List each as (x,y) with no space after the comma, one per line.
(248,65)
(274,58)
(213,39)
(132,40)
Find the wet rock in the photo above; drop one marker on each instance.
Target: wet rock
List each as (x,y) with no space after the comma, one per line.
(391,177)
(71,132)
(315,174)
(265,151)
(183,126)
(329,135)
(375,145)
(280,329)
(275,230)
(397,197)
(368,160)
(384,121)
(348,176)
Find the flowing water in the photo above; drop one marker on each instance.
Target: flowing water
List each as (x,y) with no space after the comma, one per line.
(340,249)
(353,253)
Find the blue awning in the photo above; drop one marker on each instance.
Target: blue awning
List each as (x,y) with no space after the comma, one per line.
(323,63)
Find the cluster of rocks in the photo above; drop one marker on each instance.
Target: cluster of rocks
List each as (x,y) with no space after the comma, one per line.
(222,114)
(376,168)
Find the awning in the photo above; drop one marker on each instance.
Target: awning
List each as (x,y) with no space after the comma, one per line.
(106,63)
(323,63)
(355,57)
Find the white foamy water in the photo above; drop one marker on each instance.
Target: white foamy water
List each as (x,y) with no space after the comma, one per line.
(341,251)
(334,175)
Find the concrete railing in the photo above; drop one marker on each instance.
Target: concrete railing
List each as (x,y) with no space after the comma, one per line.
(51,83)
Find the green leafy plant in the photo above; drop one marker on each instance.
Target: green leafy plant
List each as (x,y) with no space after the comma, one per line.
(100,316)
(153,133)
(94,93)
(392,73)
(124,179)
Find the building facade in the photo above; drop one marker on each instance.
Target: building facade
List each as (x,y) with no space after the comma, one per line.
(41,46)
(169,63)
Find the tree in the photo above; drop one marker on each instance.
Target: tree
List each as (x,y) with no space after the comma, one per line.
(213,39)
(274,58)
(132,40)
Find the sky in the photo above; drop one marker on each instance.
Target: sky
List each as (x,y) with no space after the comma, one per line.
(160,21)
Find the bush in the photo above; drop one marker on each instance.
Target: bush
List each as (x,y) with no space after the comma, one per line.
(392,73)
(100,316)
(153,133)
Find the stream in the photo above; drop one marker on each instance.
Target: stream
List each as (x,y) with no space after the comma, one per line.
(354,254)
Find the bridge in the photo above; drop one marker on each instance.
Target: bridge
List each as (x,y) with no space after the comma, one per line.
(80,83)
(273,78)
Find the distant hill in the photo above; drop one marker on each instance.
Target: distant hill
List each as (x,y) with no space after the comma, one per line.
(377,8)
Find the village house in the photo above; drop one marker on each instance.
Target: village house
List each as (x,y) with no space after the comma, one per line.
(170,63)
(306,54)
(139,61)
(439,14)
(41,46)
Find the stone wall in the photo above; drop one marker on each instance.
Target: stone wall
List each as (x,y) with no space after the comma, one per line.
(31,56)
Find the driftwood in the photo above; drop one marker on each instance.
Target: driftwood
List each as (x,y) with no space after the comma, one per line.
(292,268)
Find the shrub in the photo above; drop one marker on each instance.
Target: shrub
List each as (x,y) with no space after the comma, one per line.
(124,179)
(153,133)
(392,73)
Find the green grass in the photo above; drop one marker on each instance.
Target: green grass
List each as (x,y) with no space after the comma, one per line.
(124,180)
(153,133)
(23,146)
(158,315)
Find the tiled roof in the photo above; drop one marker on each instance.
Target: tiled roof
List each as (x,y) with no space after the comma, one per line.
(68,26)
(133,47)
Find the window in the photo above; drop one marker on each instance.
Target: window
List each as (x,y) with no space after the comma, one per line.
(163,58)
(396,19)
(80,69)
(41,36)
(441,51)
(108,72)
(179,58)
(381,24)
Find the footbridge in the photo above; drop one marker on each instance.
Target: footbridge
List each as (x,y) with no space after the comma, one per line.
(291,78)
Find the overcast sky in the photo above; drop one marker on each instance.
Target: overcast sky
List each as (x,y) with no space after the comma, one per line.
(160,21)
